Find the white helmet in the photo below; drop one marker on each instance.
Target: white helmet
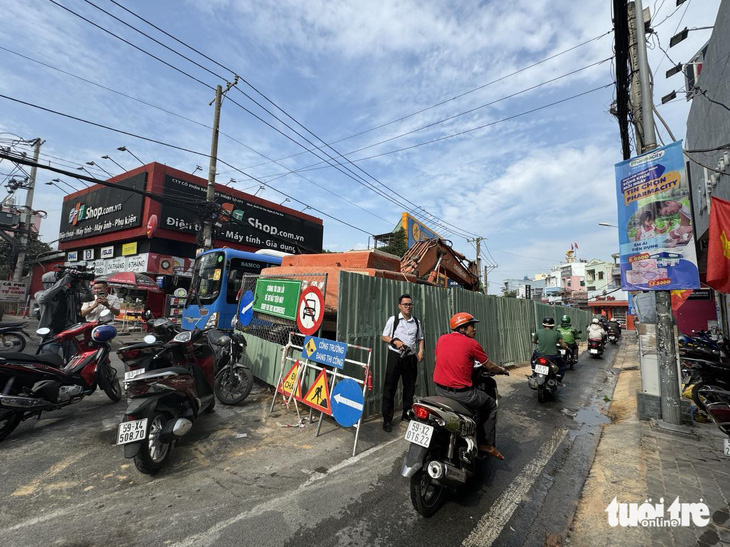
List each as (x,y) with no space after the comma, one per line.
(595,320)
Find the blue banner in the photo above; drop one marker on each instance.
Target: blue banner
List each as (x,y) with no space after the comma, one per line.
(327,352)
(656,240)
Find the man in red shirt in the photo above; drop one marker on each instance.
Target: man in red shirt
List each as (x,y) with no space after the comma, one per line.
(456,354)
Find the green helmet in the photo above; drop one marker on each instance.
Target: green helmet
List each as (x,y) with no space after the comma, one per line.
(565,321)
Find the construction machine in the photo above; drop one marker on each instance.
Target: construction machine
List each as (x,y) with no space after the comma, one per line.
(429,259)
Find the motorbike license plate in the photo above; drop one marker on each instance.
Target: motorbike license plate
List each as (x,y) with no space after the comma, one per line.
(542,369)
(562,352)
(419,433)
(132,374)
(129,432)
(594,351)
(727,446)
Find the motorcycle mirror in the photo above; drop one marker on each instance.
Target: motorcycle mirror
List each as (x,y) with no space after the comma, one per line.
(150,339)
(223,341)
(43,331)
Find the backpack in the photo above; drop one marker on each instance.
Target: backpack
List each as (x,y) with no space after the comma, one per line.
(396,320)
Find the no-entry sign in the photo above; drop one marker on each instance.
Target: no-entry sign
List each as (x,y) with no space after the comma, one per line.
(310,310)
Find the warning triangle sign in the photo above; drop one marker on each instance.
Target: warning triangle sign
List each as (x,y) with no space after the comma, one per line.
(287,383)
(318,396)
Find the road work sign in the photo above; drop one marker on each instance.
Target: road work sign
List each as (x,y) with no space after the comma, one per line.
(289,381)
(347,402)
(318,396)
(327,352)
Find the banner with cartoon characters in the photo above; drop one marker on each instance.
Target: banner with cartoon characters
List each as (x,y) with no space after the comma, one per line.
(656,240)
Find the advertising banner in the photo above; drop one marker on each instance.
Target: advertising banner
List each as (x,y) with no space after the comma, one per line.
(105,209)
(656,240)
(278,297)
(10,291)
(415,230)
(253,224)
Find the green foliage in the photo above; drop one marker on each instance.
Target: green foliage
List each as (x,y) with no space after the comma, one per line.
(399,244)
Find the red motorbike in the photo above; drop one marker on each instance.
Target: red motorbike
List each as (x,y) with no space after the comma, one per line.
(32,384)
(165,399)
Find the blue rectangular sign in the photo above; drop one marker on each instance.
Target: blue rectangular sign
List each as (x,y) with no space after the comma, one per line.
(655,222)
(327,352)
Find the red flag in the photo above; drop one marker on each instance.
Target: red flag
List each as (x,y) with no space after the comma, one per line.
(571,246)
(679,297)
(576,245)
(718,248)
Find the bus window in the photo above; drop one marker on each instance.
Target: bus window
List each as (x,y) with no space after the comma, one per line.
(207,278)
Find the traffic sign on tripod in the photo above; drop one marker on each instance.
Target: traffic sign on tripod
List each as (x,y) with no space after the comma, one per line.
(310,311)
(347,402)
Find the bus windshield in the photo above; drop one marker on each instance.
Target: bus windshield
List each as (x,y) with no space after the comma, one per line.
(207,278)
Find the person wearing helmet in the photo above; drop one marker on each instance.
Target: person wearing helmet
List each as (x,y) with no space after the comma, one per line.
(456,354)
(547,340)
(570,336)
(596,330)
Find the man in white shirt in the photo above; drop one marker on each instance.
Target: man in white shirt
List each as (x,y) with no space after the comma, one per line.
(91,311)
(404,336)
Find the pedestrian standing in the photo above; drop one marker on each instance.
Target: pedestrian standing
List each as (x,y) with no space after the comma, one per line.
(404,335)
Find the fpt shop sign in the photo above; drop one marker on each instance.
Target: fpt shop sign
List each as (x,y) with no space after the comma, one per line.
(252,224)
(105,209)
(277,297)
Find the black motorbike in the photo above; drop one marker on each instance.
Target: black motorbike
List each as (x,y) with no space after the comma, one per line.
(233,379)
(595,348)
(443,453)
(11,336)
(718,407)
(614,335)
(545,377)
(700,373)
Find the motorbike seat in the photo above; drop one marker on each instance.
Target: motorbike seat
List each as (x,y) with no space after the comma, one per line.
(6,326)
(445,403)
(50,359)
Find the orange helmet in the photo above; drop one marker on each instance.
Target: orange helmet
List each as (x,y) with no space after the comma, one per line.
(461,319)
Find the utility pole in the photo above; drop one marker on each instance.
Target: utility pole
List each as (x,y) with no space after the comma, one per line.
(210,194)
(28,214)
(486,283)
(478,241)
(637,86)
(668,376)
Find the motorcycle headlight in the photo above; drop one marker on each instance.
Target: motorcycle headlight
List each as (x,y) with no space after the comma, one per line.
(212,321)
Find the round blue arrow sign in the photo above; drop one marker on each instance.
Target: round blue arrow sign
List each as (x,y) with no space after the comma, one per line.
(347,402)
(245,312)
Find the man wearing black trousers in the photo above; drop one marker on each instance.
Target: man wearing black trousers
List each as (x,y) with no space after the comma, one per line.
(404,335)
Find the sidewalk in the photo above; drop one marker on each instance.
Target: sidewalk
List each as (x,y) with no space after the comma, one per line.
(635,464)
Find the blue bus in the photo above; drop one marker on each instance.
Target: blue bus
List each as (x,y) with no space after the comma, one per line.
(217,277)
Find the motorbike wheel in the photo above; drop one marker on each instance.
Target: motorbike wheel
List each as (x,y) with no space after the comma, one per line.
(233,385)
(109,382)
(541,394)
(153,453)
(9,420)
(426,496)
(12,342)
(696,398)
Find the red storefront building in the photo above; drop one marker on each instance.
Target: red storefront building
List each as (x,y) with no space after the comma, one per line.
(114,229)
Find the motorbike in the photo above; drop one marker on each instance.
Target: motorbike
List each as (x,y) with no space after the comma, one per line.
(718,407)
(33,384)
(233,379)
(595,348)
(545,377)
(163,402)
(443,453)
(613,335)
(699,373)
(138,357)
(12,337)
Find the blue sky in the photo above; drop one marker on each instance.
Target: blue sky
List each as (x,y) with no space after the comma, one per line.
(356,74)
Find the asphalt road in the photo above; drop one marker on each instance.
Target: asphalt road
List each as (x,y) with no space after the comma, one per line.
(64,482)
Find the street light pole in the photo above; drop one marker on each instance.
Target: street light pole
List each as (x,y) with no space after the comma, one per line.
(99,166)
(107,157)
(125,149)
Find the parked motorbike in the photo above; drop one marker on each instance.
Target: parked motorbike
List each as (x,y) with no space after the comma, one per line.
(165,401)
(138,357)
(544,379)
(595,348)
(699,373)
(444,450)
(718,406)
(32,384)
(233,379)
(11,337)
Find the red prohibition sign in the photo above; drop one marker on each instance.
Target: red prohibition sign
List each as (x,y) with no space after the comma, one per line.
(310,310)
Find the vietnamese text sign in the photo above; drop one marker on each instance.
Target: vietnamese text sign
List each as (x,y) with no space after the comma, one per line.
(104,209)
(278,297)
(327,352)
(10,291)
(655,222)
(252,223)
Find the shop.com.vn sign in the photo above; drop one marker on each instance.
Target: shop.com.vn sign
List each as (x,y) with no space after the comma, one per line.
(654,515)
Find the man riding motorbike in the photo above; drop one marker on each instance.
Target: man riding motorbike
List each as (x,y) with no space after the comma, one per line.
(547,340)
(456,354)
(570,335)
(596,331)
(614,327)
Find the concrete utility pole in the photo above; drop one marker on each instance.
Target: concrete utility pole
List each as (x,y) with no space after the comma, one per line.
(27,214)
(210,194)
(478,242)
(669,378)
(486,282)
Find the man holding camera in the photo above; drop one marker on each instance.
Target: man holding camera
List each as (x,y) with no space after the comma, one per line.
(404,336)
(91,311)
